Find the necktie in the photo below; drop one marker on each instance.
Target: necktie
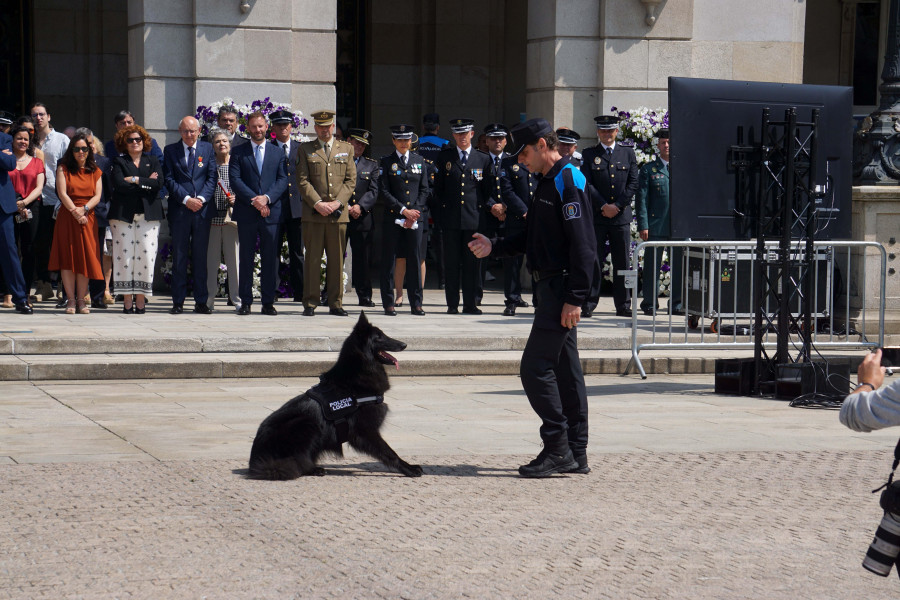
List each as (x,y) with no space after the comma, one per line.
(259,157)
(496,163)
(609,152)
(463,157)
(328,151)
(287,152)
(403,161)
(190,160)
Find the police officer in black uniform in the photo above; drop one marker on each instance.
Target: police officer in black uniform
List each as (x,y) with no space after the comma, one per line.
(612,172)
(282,125)
(404,190)
(461,189)
(559,246)
(359,229)
(430,145)
(494,213)
(568,145)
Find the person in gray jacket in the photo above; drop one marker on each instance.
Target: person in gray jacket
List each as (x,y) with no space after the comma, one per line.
(867,407)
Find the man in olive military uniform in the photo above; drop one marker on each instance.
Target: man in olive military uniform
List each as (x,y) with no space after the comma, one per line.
(654,223)
(292,204)
(404,188)
(460,190)
(360,208)
(559,245)
(611,170)
(326,176)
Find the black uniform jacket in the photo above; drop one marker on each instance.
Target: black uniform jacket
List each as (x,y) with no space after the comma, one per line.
(612,180)
(559,232)
(291,196)
(403,188)
(461,193)
(364,194)
(517,185)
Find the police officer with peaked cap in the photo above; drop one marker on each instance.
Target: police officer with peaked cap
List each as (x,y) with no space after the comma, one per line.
(568,144)
(359,229)
(611,170)
(292,204)
(461,190)
(404,189)
(558,242)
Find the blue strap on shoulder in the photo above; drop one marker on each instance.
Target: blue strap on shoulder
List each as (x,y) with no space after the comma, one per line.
(577,178)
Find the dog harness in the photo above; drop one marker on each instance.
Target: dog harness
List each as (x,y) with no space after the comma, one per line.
(338,406)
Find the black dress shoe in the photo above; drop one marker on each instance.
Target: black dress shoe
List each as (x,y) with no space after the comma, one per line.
(269,309)
(128,310)
(176,309)
(63,303)
(472,310)
(510,311)
(390,312)
(368,303)
(521,303)
(648,311)
(244,309)
(623,312)
(99,304)
(586,313)
(202,309)
(452,311)
(22,307)
(417,310)
(139,310)
(309,311)
(338,312)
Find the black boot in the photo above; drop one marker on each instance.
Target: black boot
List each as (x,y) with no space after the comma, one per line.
(582,468)
(554,458)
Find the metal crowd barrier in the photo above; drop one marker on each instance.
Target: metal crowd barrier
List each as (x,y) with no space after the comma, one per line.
(718,292)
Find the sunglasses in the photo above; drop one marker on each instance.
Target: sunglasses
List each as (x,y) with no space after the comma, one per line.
(80,149)
(135,140)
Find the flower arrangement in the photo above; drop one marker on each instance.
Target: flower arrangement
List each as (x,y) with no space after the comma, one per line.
(637,128)
(208,115)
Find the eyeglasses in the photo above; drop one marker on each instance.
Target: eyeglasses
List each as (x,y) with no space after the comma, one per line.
(80,149)
(135,140)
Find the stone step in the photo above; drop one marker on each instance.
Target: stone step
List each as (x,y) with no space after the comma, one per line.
(214,365)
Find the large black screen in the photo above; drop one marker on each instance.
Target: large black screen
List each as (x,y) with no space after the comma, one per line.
(704,116)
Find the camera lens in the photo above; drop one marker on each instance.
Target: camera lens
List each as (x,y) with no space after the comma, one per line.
(883,551)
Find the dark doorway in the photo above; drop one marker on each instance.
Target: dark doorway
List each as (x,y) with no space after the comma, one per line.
(16,58)
(350,85)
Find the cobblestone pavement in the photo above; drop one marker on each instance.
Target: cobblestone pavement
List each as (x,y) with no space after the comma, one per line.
(692,495)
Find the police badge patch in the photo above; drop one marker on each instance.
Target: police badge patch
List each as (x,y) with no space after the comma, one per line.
(572,210)
(449,166)
(394,167)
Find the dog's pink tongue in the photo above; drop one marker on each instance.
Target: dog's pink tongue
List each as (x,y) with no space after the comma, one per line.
(392,359)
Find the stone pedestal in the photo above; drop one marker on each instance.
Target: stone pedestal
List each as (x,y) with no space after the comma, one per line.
(876,218)
(182,54)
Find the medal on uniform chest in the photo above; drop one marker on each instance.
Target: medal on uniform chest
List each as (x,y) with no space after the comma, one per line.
(515,168)
(449,166)
(200,161)
(653,169)
(596,160)
(394,167)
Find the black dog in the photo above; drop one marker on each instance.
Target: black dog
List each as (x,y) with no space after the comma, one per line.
(347,405)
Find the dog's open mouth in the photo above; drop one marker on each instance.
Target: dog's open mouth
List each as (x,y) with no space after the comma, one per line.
(387,359)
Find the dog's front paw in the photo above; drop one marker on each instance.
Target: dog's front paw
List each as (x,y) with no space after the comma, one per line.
(411,470)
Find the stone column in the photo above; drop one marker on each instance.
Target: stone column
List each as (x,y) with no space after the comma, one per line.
(182,53)
(876,218)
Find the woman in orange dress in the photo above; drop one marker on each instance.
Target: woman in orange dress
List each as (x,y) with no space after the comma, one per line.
(75,251)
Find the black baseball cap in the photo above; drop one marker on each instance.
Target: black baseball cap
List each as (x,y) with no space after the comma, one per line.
(529,132)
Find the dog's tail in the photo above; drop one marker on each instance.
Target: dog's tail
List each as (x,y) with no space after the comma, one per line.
(272,469)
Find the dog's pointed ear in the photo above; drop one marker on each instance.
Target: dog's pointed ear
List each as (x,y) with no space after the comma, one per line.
(362,319)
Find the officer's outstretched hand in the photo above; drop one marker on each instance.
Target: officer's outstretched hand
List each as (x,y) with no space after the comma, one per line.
(570,316)
(480,245)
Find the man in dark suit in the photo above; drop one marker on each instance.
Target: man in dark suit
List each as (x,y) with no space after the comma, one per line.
(124,118)
(460,189)
(190,168)
(493,216)
(359,229)
(612,172)
(404,188)
(9,253)
(291,203)
(227,122)
(259,179)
